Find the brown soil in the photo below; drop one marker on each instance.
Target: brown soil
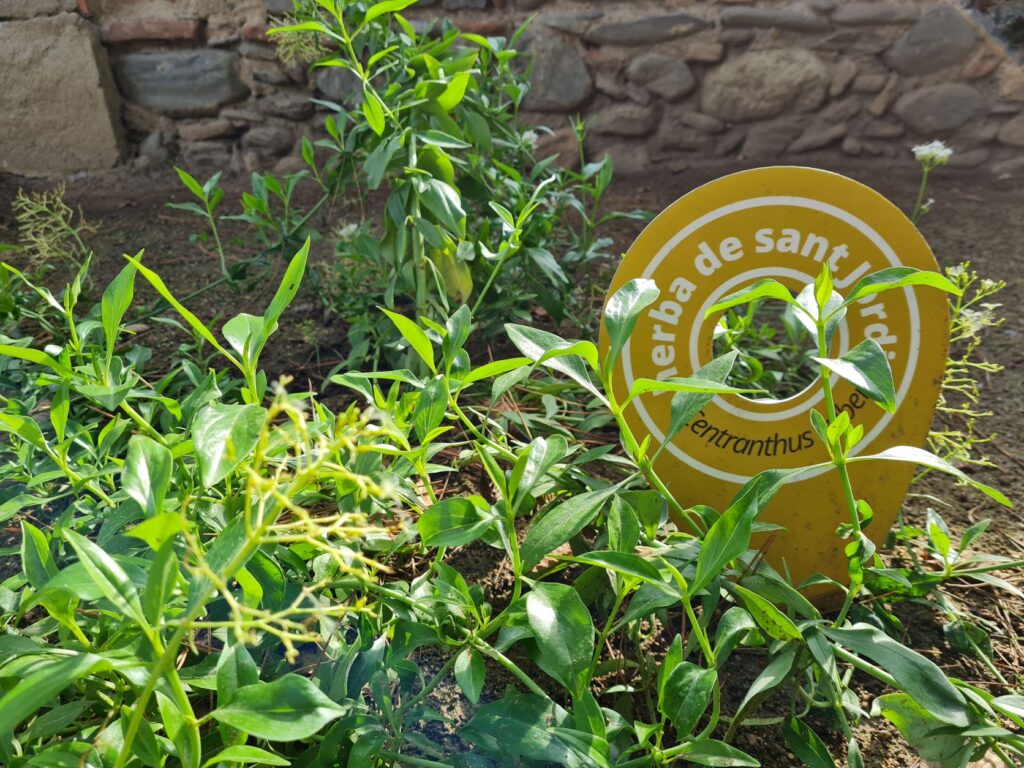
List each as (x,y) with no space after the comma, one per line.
(974,218)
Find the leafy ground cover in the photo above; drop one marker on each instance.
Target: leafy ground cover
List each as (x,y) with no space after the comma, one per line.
(963,232)
(328,494)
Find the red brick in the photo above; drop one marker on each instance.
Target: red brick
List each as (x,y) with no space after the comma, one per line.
(126,30)
(483,26)
(255,32)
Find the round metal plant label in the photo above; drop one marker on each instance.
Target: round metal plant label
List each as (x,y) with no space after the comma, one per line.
(783,223)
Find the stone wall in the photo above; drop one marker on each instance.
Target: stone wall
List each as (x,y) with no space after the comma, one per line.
(664,83)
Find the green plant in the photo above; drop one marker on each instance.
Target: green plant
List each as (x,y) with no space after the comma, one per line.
(48,229)
(950,722)
(775,348)
(199,525)
(469,216)
(972,313)
(930,156)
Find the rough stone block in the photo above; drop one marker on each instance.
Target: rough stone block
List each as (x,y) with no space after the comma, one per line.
(187,83)
(871,13)
(27,9)
(797,18)
(60,108)
(1012,132)
(940,108)
(764,84)
(128,30)
(645,30)
(560,81)
(940,38)
(624,120)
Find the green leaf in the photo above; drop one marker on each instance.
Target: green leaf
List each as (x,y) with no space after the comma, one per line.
(193,186)
(159,529)
(685,695)
(106,574)
(235,669)
(867,368)
(36,559)
(930,460)
(373,110)
(160,583)
(147,474)
(560,524)
(919,728)
(625,563)
(774,622)
(286,290)
(770,679)
(194,322)
(40,686)
(443,201)
(542,455)
(732,628)
(729,537)
(387,6)
(35,356)
(538,345)
(918,676)
(454,91)
(289,709)
(898,277)
(679,384)
(564,633)
(489,370)
(224,435)
(519,726)
(24,427)
(622,312)
(762,289)
(246,755)
(116,300)
(806,744)
(453,522)
(469,673)
(717,754)
(686,405)
(413,334)
(431,406)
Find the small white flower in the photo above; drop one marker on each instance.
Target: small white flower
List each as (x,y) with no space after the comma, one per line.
(530,138)
(345,232)
(933,153)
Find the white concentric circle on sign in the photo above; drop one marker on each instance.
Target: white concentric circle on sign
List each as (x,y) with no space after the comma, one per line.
(739,281)
(790,201)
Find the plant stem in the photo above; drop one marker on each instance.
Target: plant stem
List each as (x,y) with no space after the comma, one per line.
(839,460)
(620,595)
(919,204)
(511,666)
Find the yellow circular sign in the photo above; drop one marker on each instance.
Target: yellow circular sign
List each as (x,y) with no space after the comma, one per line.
(783,223)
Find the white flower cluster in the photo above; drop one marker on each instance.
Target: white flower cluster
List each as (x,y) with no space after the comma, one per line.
(932,154)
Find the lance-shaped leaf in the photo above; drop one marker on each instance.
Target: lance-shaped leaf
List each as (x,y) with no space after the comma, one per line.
(926,459)
(622,312)
(225,434)
(147,473)
(108,576)
(289,709)
(918,676)
(898,277)
(563,631)
(561,523)
(762,289)
(867,368)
